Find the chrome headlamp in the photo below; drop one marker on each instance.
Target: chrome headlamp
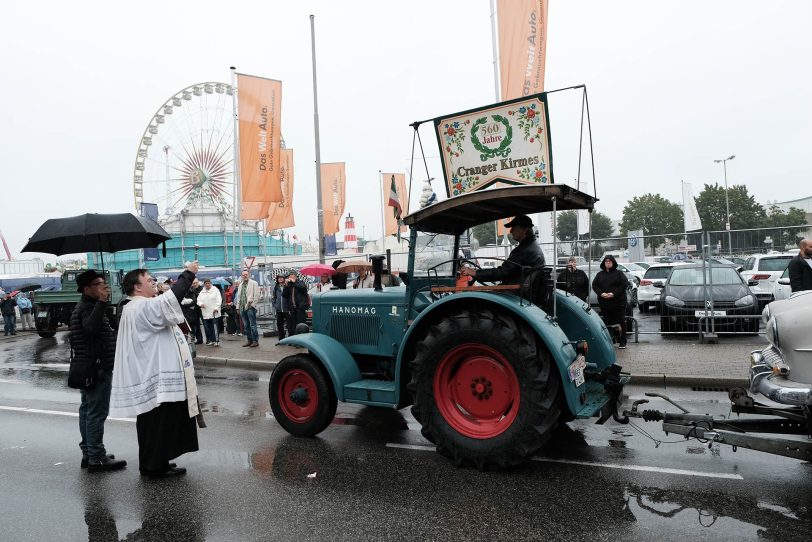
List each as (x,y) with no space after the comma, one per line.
(765,315)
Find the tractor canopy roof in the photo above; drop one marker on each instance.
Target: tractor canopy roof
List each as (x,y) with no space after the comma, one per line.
(455,215)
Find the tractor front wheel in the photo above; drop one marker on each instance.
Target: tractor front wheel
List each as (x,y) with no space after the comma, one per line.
(302,397)
(486,391)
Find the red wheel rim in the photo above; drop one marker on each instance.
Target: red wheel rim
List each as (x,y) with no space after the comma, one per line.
(298,396)
(476,391)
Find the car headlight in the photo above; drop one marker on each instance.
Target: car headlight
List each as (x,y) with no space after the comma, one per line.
(673,301)
(765,315)
(772,332)
(744,301)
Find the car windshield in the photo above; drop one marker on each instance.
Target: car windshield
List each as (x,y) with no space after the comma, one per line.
(633,267)
(657,273)
(774,264)
(432,250)
(692,276)
(643,265)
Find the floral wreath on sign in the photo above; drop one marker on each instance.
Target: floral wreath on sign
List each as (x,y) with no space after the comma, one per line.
(503,149)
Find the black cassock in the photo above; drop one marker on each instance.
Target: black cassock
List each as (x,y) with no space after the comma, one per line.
(164,433)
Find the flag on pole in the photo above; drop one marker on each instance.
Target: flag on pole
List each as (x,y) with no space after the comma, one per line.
(333,192)
(5,246)
(690,214)
(394,184)
(259,107)
(280,214)
(522,46)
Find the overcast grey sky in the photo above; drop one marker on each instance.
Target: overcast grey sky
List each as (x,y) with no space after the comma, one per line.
(672,86)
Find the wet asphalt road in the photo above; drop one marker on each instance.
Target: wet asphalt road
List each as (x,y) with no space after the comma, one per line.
(371,476)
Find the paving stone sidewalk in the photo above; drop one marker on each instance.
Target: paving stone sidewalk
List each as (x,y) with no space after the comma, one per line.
(653,361)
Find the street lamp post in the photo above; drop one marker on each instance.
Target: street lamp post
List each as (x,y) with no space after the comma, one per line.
(727,202)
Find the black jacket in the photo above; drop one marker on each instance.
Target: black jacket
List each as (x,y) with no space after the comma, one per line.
(526,254)
(91,335)
(575,282)
(800,274)
(297,292)
(614,282)
(7,306)
(191,312)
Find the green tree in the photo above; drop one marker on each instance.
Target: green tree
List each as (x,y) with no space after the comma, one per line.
(784,235)
(745,211)
(485,233)
(566,226)
(654,215)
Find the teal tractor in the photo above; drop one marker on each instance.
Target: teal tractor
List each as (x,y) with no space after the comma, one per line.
(490,370)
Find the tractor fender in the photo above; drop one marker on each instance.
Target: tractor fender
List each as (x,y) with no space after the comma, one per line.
(553,337)
(338,362)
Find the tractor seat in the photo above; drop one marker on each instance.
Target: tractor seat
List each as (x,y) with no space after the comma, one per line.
(538,287)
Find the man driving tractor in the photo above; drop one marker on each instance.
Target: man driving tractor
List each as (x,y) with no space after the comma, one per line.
(526,254)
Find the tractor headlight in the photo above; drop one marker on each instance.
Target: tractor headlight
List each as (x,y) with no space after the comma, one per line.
(765,315)
(673,301)
(744,301)
(772,332)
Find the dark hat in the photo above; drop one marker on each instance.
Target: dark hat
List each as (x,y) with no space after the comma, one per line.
(520,220)
(84,279)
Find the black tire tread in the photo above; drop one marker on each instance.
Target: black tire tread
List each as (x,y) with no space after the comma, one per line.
(328,403)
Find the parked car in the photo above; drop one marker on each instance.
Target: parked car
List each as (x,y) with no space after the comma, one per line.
(765,269)
(648,295)
(737,260)
(683,299)
(633,269)
(782,287)
(644,265)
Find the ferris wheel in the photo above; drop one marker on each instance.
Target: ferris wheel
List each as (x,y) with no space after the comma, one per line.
(185,157)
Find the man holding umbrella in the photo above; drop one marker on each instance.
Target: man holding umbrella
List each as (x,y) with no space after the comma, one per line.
(153,377)
(93,340)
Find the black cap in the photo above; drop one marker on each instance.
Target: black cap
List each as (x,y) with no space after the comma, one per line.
(84,279)
(520,220)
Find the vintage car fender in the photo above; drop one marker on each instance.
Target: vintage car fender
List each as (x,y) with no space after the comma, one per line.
(551,333)
(338,362)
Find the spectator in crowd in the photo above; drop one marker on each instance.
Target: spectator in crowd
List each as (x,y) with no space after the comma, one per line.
(247,299)
(93,343)
(26,311)
(339,279)
(9,316)
(323,284)
(364,280)
(610,286)
(574,280)
(277,299)
(800,268)
(153,375)
(296,302)
(209,300)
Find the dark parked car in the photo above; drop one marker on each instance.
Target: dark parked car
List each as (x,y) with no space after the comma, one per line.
(683,300)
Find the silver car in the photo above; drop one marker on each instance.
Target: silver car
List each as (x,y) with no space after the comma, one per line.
(783,371)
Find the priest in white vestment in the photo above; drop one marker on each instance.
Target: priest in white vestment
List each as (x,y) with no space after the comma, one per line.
(153,373)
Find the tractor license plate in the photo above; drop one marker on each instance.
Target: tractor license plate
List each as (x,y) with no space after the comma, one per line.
(42,314)
(576,370)
(710,313)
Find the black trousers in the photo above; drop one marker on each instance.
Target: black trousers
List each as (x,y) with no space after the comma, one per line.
(281,322)
(296,317)
(164,433)
(615,315)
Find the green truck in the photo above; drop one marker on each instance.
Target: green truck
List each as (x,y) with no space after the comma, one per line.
(53,308)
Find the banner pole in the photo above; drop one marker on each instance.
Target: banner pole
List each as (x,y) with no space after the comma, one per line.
(237,194)
(319,206)
(383,210)
(495,51)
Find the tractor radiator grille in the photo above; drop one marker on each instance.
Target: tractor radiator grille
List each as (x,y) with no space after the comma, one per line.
(358,329)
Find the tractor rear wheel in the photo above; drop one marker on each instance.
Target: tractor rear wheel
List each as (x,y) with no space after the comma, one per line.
(302,397)
(486,391)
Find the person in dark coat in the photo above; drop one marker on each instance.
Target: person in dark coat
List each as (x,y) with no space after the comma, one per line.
(339,279)
(610,285)
(192,312)
(277,301)
(93,338)
(800,268)
(527,254)
(574,280)
(7,305)
(295,302)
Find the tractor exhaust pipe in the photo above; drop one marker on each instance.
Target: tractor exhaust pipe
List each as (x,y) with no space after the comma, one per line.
(377,271)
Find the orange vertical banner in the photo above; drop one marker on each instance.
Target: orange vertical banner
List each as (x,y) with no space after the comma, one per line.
(281,214)
(333,193)
(259,109)
(522,46)
(399,180)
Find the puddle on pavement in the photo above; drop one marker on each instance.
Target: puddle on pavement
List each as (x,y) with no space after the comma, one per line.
(715,515)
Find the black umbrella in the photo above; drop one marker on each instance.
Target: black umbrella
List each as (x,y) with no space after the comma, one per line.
(93,232)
